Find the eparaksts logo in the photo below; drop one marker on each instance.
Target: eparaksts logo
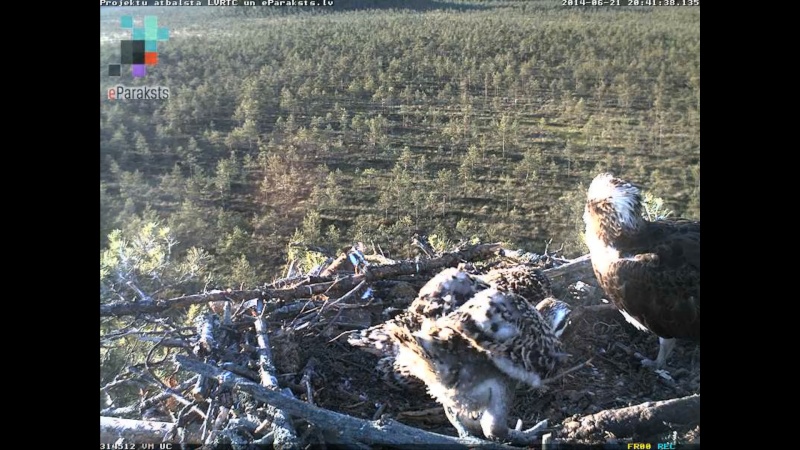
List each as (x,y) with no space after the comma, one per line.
(142,49)
(121,92)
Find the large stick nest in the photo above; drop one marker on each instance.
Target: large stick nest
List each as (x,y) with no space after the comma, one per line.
(603,402)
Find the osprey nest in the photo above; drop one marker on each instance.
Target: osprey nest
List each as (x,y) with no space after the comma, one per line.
(273,366)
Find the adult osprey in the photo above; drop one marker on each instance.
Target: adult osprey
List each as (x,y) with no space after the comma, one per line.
(471,345)
(650,270)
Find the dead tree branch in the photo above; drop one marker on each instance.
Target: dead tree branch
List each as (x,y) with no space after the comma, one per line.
(141,431)
(282,428)
(158,306)
(577,269)
(643,420)
(346,428)
(342,284)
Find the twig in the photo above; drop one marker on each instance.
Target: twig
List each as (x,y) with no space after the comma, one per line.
(141,294)
(437,411)
(164,342)
(451,259)
(352,293)
(379,411)
(308,372)
(423,245)
(595,308)
(150,369)
(562,374)
(577,269)
(160,397)
(207,423)
(226,317)
(547,440)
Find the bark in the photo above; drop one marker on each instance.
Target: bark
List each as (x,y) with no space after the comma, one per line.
(337,286)
(571,272)
(638,421)
(141,431)
(283,431)
(342,427)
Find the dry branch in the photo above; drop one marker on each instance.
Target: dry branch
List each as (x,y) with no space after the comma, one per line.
(308,373)
(643,420)
(346,428)
(577,269)
(141,431)
(340,264)
(342,284)
(284,434)
(157,306)
(152,401)
(206,328)
(452,259)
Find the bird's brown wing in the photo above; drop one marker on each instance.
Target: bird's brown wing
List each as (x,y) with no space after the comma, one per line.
(658,283)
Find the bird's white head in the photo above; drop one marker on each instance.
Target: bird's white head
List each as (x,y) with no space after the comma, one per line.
(613,206)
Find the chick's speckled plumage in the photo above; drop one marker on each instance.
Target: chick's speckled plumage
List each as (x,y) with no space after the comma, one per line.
(470,344)
(523,280)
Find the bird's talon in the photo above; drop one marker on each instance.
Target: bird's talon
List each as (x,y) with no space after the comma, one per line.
(664,374)
(529,436)
(648,363)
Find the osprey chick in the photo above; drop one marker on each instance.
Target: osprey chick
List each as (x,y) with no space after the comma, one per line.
(471,344)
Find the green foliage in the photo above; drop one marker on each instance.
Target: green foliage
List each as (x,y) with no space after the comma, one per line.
(572,204)
(142,264)
(654,208)
(243,274)
(301,257)
(312,227)
(487,115)
(440,244)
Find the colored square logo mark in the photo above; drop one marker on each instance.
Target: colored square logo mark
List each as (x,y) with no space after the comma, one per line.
(142,49)
(138,70)
(151,22)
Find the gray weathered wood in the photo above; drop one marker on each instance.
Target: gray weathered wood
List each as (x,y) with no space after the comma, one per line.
(285,437)
(140,431)
(642,420)
(343,284)
(346,428)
